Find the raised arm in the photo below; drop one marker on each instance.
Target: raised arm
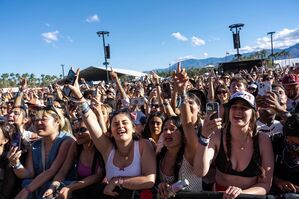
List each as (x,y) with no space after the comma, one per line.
(206,149)
(181,80)
(101,141)
(118,84)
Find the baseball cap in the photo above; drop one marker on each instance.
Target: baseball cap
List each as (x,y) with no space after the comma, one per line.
(252,85)
(290,79)
(243,95)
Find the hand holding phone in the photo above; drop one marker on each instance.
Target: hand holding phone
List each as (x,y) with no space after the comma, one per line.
(264,87)
(212,109)
(70,79)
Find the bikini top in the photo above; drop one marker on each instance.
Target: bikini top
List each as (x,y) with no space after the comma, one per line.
(224,165)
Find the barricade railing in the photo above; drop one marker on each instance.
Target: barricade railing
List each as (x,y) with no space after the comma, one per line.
(218,195)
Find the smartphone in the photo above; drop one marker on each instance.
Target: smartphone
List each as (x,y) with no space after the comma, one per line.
(264,87)
(70,79)
(50,101)
(16,140)
(213,107)
(166,89)
(137,101)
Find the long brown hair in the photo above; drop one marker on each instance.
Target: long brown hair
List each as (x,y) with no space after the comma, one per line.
(255,137)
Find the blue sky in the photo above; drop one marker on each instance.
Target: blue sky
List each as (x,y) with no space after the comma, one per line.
(37,36)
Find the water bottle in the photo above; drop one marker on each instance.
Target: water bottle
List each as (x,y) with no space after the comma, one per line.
(178,186)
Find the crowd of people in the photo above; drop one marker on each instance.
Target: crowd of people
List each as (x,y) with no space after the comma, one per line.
(135,139)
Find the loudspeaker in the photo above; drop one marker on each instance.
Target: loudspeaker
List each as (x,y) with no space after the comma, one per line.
(236,38)
(107,51)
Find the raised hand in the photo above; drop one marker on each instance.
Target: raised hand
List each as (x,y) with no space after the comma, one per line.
(211,126)
(180,79)
(76,93)
(113,74)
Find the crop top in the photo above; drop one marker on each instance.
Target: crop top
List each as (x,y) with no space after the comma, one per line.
(224,165)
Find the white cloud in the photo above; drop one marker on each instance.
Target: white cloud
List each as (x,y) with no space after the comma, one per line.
(69,39)
(281,39)
(196,41)
(179,36)
(93,18)
(205,54)
(50,37)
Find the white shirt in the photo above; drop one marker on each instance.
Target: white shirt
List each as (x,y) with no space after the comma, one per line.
(274,128)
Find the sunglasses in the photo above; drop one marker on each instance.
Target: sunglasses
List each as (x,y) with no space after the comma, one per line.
(16,112)
(124,110)
(269,78)
(221,92)
(155,106)
(79,130)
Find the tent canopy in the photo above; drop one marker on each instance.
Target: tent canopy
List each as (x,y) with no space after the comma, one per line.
(99,73)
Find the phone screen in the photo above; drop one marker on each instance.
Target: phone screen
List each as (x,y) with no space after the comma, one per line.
(264,87)
(16,140)
(166,90)
(70,79)
(213,107)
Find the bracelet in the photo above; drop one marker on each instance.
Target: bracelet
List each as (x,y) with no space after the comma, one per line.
(20,93)
(120,182)
(203,140)
(17,166)
(165,103)
(27,189)
(84,107)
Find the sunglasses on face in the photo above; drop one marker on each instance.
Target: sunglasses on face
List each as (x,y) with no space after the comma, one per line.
(155,106)
(221,92)
(16,112)
(79,130)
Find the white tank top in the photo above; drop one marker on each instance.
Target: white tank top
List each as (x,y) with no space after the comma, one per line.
(134,169)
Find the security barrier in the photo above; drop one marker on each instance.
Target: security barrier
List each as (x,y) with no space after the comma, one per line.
(218,195)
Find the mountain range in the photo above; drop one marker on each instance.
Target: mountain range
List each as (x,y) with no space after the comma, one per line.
(293,52)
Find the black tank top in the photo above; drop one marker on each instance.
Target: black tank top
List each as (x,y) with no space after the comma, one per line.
(224,165)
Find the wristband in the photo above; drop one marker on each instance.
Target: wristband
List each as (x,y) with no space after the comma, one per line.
(203,140)
(17,166)
(20,93)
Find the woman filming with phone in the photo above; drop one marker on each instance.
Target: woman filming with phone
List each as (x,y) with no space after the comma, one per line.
(243,156)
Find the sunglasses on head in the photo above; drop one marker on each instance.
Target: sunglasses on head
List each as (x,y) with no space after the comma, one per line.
(124,110)
(79,130)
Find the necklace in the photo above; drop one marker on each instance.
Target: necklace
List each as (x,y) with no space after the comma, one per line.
(243,145)
(125,155)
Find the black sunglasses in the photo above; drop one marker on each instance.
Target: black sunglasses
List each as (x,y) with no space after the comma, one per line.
(124,110)
(79,130)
